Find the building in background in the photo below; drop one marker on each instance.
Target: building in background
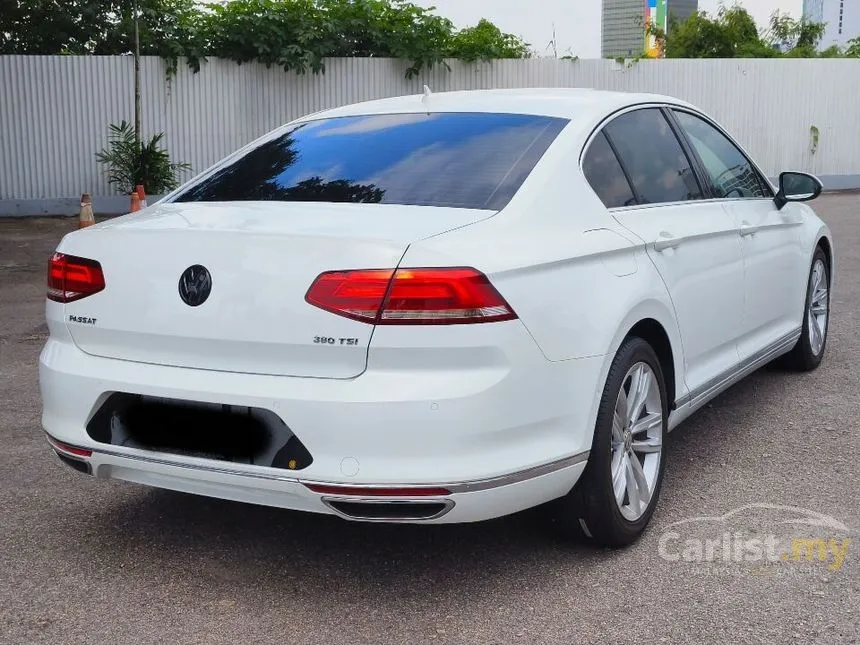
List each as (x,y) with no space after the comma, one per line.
(840,17)
(813,10)
(623,24)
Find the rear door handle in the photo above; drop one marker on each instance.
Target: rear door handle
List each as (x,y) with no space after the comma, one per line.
(666,241)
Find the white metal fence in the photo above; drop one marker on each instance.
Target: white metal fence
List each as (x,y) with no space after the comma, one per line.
(54,110)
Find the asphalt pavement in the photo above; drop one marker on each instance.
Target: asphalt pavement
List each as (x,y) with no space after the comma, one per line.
(91,561)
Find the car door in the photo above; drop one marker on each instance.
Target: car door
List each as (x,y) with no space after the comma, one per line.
(693,242)
(774,260)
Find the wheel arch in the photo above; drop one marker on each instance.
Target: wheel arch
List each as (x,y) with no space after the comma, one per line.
(655,335)
(826,245)
(654,323)
(823,239)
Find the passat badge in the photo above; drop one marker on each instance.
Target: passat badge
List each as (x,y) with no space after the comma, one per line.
(195,284)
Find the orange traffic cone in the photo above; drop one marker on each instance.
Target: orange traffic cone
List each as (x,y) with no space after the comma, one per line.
(135,202)
(86,217)
(142,195)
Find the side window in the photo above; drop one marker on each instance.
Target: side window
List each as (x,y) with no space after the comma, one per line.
(605,175)
(654,160)
(730,172)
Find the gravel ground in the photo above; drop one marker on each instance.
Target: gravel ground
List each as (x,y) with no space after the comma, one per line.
(87,561)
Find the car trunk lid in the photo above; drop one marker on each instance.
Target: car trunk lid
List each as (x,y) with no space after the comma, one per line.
(261,259)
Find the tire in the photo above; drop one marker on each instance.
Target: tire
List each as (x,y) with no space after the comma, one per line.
(808,352)
(591,509)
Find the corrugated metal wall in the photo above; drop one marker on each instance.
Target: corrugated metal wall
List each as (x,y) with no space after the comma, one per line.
(54,110)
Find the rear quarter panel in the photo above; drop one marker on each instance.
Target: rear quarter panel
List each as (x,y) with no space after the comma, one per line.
(576,279)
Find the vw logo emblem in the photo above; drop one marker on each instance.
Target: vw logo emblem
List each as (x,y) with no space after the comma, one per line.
(195,284)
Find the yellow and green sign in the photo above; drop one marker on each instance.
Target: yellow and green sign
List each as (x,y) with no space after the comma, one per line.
(656,16)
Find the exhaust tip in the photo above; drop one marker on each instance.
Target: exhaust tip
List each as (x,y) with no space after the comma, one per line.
(390,510)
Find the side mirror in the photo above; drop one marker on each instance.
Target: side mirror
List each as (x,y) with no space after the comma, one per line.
(797,187)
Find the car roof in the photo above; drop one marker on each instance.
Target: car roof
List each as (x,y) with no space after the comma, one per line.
(565,103)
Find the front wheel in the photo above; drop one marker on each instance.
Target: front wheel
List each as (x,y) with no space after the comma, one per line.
(807,354)
(615,498)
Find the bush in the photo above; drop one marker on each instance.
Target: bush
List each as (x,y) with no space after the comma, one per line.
(131,162)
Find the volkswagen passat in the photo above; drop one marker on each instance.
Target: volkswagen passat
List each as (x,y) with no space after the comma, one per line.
(438,308)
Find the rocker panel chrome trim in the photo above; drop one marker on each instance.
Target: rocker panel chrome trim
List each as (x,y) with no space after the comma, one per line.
(712,388)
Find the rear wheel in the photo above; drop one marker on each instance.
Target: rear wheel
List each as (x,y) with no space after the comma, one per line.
(616,495)
(807,354)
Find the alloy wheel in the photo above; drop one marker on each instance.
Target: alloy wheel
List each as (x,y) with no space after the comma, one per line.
(819,306)
(637,441)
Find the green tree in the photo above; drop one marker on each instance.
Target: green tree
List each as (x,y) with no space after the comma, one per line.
(733,33)
(289,33)
(389,28)
(91,27)
(293,34)
(796,38)
(40,26)
(742,33)
(485,41)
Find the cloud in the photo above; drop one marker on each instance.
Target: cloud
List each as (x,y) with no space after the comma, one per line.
(461,172)
(360,125)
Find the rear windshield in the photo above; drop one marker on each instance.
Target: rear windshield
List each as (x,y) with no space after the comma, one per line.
(465,160)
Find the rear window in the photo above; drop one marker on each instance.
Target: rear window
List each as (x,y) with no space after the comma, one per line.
(464,160)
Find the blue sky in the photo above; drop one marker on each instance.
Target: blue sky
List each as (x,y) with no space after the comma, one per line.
(577,22)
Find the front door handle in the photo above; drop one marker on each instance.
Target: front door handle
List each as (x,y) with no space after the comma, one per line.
(666,241)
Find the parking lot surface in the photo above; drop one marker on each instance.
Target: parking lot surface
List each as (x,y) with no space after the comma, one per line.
(91,561)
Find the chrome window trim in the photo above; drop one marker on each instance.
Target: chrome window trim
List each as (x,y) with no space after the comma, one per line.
(672,107)
(746,155)
(619,113)
(689,202)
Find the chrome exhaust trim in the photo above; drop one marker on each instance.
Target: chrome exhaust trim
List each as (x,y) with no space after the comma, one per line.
(364,509)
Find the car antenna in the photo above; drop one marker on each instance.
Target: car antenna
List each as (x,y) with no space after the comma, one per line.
(427,94)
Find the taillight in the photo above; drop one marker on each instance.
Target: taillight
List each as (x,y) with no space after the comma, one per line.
(444,296)
(72,278)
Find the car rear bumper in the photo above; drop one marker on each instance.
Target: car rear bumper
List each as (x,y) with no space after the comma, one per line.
(466,502)
(499,441)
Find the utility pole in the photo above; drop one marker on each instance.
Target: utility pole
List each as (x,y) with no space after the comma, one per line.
(136,76)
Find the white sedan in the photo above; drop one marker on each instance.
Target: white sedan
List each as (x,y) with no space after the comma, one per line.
(438,308)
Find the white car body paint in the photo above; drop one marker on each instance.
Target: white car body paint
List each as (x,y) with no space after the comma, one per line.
(500,413)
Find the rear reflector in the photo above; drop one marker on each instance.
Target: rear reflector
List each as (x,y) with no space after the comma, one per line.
(443,296)
(359,491)
(65,448)
(72,278)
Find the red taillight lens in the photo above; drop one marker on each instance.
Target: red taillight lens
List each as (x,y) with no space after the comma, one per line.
(72,278)
(355,294)
(444,296)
